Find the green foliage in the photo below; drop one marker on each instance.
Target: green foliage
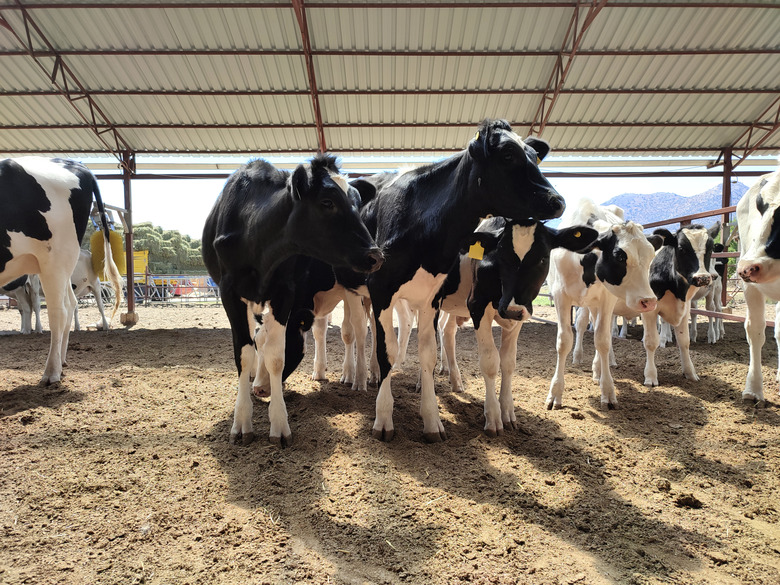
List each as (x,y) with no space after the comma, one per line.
(170,252)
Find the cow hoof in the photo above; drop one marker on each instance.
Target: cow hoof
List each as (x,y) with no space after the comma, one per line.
(435,437)
(608,405)
(242,439)
(650,383)
(281,441)
(493,433)
(385,435)
(510,425)
(752,400)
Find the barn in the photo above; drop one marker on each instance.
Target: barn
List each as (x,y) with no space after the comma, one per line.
(124,472)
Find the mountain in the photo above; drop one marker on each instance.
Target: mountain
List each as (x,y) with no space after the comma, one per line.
(646,208)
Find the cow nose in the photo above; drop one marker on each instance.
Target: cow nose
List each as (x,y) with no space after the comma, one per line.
(375,259)
(701,280)
(750,272)
(647,305)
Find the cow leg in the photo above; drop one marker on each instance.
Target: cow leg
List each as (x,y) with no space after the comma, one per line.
(694,318)
(444,365)
(488,365)
(374,370)
(651,340)
(99,300)
(76,324)
(508,354)
(261,386)
(319,331)
(755,324)
(682,333)
(70,307)
(273,358)
(405,319)
(35,299)
(359,322)
(448,352)
(581,320)
(563,346)
(56,287)
(386,351)
(242,413)
(433,430)
(348,339)
(602,338)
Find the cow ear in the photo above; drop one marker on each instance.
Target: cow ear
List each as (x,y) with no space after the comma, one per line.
(478,147)
(367,190)
(714,230)
(487,241)
(668,237)
(575,238)
(540,146)
(300,183)
(656,241)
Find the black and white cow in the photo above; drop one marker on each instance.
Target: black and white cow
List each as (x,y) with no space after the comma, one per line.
(25,291)
(617,267)
(422,219)
(501,287)
(758,220)
(44,209)
(85,280)
(712,298)
(679,269)
(260,226)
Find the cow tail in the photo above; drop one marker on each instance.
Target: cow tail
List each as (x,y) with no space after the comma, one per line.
(109,266)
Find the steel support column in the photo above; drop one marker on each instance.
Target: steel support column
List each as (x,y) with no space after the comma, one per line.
(128,169)
(300,14)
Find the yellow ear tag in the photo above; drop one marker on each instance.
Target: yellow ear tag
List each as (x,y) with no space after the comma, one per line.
(476,251)
(538,161)
(577,234)
(476,136)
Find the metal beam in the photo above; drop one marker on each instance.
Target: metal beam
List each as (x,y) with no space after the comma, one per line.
(300,15)
(571,44)
(758,132)
(389,53)
(67,84)
(205,93)
(397,5)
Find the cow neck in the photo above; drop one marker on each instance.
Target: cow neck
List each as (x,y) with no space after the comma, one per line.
(459,213)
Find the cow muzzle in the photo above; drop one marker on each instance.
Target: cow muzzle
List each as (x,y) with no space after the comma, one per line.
(514,313)
(701,280)
(749,272)
(648,304)
(373,260)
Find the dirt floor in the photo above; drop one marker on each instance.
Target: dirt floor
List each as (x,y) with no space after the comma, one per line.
(124,473)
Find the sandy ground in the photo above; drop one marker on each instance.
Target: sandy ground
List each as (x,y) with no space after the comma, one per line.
(124,473)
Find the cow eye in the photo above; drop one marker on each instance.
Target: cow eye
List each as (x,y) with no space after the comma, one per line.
(328,204)
(620,255)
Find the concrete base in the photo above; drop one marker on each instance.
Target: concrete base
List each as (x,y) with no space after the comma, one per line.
(128,319)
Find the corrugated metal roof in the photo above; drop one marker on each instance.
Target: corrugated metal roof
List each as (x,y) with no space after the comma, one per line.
(686,78)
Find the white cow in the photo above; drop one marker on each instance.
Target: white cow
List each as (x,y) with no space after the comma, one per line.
(617,267)
(759,268)
(85,280)
(26,292)
(44,209)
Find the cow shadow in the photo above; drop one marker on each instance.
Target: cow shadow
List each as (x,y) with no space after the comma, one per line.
(28,397)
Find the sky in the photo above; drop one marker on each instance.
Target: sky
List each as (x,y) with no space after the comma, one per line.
(183,204)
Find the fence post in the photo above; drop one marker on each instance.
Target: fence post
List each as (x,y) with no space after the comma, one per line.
(725,230)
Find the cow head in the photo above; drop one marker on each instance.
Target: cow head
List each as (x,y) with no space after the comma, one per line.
(506,171)
(519,255)
(758,217)
(325,220)
(624,263)
(691,247)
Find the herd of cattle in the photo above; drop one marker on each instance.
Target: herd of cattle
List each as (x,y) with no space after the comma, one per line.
(458,239)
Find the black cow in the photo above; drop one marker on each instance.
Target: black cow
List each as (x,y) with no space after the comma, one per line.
(44,209)
(262,223)
(422,220)
(501,287)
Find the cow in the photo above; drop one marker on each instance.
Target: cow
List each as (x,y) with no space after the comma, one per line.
(758,221)
(680,267)
(501,287)
(617,267)
(422,219)
(83,281)
(25,290)
(262,224)
(44,209)
(712,298)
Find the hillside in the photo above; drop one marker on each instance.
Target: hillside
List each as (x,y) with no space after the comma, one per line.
(646,208)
